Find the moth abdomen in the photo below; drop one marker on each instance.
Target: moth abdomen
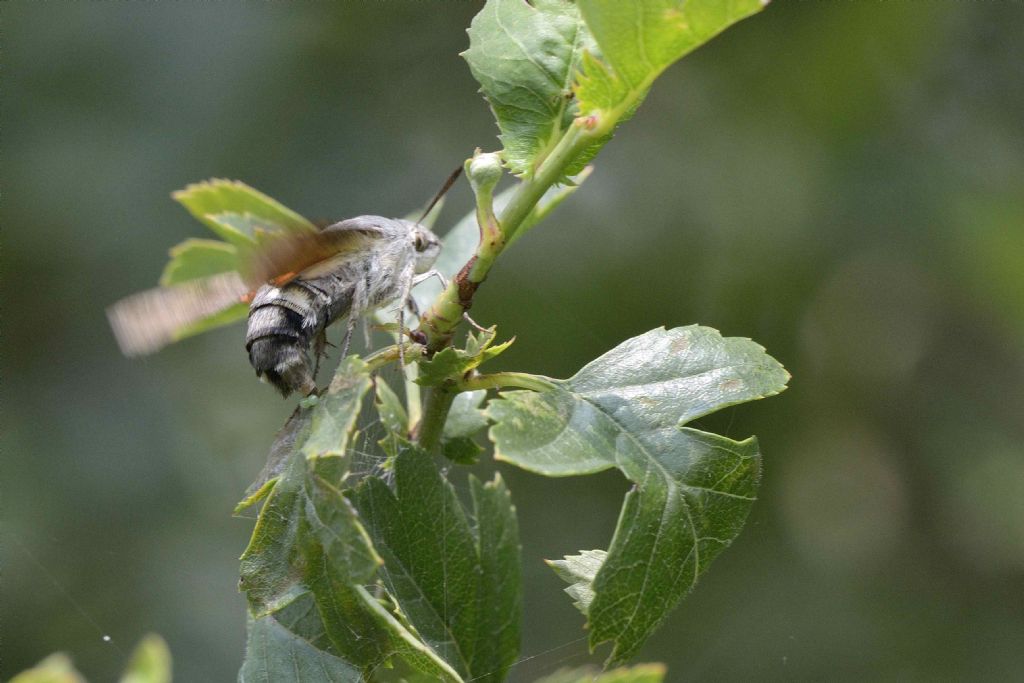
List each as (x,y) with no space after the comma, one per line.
(282,321)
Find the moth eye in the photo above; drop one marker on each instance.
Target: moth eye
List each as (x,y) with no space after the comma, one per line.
(420,242)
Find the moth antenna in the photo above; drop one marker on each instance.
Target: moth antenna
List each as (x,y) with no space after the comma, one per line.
(442,192)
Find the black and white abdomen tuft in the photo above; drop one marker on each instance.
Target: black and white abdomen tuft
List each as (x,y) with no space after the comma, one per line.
(283,321)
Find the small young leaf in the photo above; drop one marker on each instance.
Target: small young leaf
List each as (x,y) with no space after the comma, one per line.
(452,363)
(195,258)
(57,668)
(395,420)
(220,196)
(626,409)
(579,572)
(525,57)
(150,662)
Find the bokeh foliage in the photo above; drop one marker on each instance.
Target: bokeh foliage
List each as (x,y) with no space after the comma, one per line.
(875,248)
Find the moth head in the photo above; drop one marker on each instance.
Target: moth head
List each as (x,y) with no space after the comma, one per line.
(427,246)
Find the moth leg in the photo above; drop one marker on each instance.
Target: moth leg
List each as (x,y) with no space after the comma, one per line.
(409,281)
(433,272)
(320,345)
(359,306)
(465,316)
(350,325)
(413,307)
(366,332)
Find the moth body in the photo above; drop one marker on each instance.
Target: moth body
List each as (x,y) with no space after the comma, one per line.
(375,269)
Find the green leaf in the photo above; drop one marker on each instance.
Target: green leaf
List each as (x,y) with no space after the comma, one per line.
(275,653)
(310,559)
(339,561)
(499,599)
(208,199)
(334,415)
(525,58)
(389,407)
(579,572)
(150,662)
(270,574)
(57,668)
(465,419)
(640,39)
(241,217)
(463,604)
(394,418)
(268,566)
(307,567)
(195,258)
(693,489)
(228,316)
(641,673)
(452,363)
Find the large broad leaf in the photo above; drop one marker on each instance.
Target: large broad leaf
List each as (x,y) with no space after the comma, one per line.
(639,39)
(693,489)
(458,586)
(275,653)
(310,559)
(307,569)
(525,57)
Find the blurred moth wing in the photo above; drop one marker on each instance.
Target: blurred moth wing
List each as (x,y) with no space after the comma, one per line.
(145,322)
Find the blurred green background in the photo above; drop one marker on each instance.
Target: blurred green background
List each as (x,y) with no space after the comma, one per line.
(842,182)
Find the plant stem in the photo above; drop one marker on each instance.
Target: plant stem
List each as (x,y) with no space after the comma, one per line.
(497,380)
(445,314)
(391,354)
(435,413)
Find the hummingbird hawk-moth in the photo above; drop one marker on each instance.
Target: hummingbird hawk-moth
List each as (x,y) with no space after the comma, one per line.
(296,286)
